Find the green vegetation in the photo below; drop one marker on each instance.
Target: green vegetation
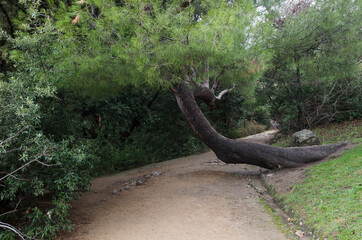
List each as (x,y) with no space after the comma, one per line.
(314,76)
(337,132)
(328,200)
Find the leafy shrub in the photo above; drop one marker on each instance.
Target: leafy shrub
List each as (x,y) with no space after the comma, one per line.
(32,166)
(38,175)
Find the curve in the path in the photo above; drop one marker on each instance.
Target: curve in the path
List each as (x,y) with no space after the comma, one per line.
(196,198)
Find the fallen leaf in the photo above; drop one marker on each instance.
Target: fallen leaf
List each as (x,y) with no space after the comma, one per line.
(76,19)
(300,233)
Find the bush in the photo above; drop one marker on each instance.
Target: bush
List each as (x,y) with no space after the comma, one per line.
(38,176)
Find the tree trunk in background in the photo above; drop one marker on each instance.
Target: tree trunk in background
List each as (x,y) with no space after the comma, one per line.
(299,101)
(233,151)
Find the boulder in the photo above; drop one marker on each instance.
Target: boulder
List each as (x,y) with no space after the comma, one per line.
(304,138)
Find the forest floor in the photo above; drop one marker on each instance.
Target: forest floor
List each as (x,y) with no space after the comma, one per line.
(191,198)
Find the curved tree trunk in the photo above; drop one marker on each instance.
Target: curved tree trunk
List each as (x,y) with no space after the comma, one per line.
(233,151)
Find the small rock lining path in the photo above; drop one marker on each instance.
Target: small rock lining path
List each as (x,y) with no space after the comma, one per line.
(191,198)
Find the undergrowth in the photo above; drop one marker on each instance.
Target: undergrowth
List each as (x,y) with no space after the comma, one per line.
(248,128)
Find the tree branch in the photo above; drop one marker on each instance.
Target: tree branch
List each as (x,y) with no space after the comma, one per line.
(36,159)
(216,81)
(222,93)
(206,82)
(11,32)
(10,138)
(12,211)
(13,229)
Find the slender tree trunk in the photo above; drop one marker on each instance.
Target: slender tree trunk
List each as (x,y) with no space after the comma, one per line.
(299,101)
(134,121)
(233,151)
(10,24)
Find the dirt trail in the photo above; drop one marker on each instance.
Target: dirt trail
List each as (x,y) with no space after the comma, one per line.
(196,198)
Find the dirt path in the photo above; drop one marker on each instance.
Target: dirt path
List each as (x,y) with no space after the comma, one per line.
(195,198)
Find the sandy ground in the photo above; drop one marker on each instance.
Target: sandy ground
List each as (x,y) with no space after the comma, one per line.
(195,198)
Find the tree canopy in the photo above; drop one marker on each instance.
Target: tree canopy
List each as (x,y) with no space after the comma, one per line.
(103,44)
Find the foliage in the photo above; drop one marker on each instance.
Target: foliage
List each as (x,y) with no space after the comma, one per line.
(103,125)
(33,166)
(315,73)
(163,135)
(119,44)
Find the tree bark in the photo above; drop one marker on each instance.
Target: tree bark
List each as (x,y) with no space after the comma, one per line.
(299,101)
(135,122)
(10,24)
(234,151)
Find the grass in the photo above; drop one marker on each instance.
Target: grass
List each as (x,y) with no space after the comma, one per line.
(277,219)
(329,199)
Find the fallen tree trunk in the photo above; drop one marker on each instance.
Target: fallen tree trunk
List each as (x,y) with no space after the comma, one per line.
(234,151)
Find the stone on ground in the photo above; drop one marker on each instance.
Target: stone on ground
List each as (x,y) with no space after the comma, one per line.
(304,138)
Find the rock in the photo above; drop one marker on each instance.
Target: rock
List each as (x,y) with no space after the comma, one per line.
(114,192)
(304,138)
(139,182)
(155,174)
(300,233)
(274,124)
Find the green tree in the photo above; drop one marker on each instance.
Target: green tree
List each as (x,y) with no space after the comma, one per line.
(317,46)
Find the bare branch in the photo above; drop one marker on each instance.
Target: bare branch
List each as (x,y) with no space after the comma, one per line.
(13,229)
(12,211)
(10,138)
(206,82)
(216,81)
(16,178)
(194,73)
(222,93)
(9,151)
